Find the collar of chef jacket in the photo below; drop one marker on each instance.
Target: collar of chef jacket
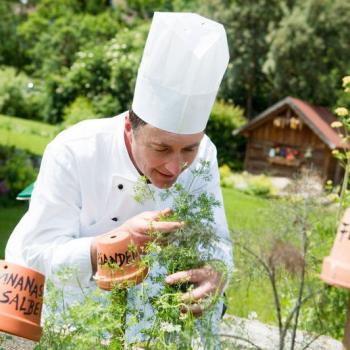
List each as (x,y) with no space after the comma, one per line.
(118,204)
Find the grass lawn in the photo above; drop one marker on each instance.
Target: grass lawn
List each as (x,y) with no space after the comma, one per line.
(257,216)
(26,134)
(244,212)
(8,220)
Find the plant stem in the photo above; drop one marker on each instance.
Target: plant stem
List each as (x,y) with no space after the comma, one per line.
(272,277)
(242,339)
(343,190)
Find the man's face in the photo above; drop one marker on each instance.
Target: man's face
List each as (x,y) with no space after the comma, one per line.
(160,155)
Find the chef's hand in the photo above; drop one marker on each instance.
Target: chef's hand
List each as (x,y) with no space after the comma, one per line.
(208,282)
(141,228)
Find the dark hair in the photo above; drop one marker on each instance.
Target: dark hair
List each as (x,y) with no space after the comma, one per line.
(135,121)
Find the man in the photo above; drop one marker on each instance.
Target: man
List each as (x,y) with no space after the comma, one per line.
(86,179)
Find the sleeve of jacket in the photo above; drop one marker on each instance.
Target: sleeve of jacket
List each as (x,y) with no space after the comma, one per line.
(48,238)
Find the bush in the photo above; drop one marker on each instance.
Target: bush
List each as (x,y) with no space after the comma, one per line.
(55,32)
(223,120)
(105,74)
(256,185)
(80,109)
(17,170)
(19,95)
(260,185)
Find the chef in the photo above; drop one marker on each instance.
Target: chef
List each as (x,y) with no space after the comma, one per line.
(86,179)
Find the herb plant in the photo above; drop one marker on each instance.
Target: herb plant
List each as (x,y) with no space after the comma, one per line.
(101,319)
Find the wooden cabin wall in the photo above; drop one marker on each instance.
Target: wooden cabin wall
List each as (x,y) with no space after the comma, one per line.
(267,135)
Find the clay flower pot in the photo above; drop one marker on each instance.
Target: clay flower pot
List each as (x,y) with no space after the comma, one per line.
(21,299)
(336,267)
(118,261)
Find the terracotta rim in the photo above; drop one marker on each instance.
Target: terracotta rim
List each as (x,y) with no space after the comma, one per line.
(124,281)
(11,324)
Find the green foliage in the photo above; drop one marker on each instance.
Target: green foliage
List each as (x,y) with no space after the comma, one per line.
(247,24)
(260,186)
(105,74)
(54,40)
(80,109)
(101,319)
(96,323)
(19,94)
(277,48)
(289,257)
(145,8)
(307,55)
(11,15)
(16,172)
(223,120)
(257,185)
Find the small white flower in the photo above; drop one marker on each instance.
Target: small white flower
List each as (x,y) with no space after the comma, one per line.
(169,327)
(105,342)
(252,315)
(341,111)
(336,125)
(30,85)
(346,80)
(157,248)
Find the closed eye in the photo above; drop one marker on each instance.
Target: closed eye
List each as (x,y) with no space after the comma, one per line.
(193,149)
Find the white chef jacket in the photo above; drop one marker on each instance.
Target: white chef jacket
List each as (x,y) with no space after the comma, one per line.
(85,188)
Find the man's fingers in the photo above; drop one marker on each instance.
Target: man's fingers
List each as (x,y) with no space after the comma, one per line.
(155,215)
(195,309)
(166,212)
(194,275)
(165,226)
(201,292)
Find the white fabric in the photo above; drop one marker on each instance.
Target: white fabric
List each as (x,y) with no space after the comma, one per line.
(184,60)
(76,196)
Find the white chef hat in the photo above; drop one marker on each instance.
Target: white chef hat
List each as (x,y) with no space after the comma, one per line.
(183,63)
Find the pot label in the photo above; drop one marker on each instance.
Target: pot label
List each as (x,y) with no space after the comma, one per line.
(21,292)
(119,258)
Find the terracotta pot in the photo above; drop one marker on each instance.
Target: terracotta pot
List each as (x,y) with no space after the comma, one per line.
(336,267)
(118,261)
(21,299)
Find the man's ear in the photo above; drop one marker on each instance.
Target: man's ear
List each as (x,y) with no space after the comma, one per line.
(127,124)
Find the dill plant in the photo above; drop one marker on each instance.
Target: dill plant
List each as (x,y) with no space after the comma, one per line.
(100,321)
(187,248)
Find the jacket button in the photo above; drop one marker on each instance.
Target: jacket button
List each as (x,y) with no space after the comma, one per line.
(115,219)
(120,186)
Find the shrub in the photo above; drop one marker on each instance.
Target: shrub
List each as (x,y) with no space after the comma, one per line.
(55,32)
(223,120)
(104,73)
(257,185)
(81,108)
(19,94)
(17,171)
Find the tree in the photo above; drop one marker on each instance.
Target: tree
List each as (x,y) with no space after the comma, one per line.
(11,52)
(309,51)
(247,24)
(53,40)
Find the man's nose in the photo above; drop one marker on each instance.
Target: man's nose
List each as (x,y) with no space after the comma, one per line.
(175,165)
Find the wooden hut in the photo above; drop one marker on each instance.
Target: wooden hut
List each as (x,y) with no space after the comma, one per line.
(291,135)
